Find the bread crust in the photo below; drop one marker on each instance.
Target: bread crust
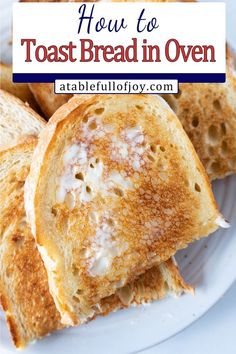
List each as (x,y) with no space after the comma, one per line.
(70,114)
(22,302)
(20,90)
(17,120)
(47,100)
(29,307)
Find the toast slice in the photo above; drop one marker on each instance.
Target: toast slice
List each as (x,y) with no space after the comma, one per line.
(25,297)
(47,100)
(31,316)
(115,187)
(155,284)
(208,115)
(20,90)
(17,120)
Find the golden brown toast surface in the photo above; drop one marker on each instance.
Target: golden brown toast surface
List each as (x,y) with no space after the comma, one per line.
(124,190)
(31,316)
(25,297)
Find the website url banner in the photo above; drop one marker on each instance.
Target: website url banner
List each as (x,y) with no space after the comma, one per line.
(116,86)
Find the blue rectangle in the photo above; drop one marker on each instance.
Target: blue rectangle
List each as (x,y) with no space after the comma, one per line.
(51,77)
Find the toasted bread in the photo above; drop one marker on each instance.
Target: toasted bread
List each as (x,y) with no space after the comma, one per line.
(20,90)
(17,120)
(34,318)
(154,284)
(208,115)
(47,100)
(25,297)
(115,187)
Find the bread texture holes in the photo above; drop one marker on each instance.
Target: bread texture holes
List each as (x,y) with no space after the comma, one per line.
(197,187)
(88,189)
(223,128)
(79,291)
(93,125)
(213,135)
(195,122)
(76,299)
(217,105)
(150,157)
(20,184)
(214,167)
(110,222)
(210,150)
(126,295)
(153,148)
(224,148)
(118,192)
(99,111)
(139,107)
(85,119)
(162,148)
(185,112)
(80,176)
(54,211)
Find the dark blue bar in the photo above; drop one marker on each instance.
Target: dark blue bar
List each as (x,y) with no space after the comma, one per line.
(139,76)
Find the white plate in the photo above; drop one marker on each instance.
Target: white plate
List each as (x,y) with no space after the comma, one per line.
(209,264)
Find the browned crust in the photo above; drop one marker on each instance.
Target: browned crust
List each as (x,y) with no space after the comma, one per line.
(154,284)
(25,297)
(31,280)
(20,90)
(47,139)
(47,100)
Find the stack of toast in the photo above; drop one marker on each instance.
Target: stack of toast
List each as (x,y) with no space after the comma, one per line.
(99,192)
